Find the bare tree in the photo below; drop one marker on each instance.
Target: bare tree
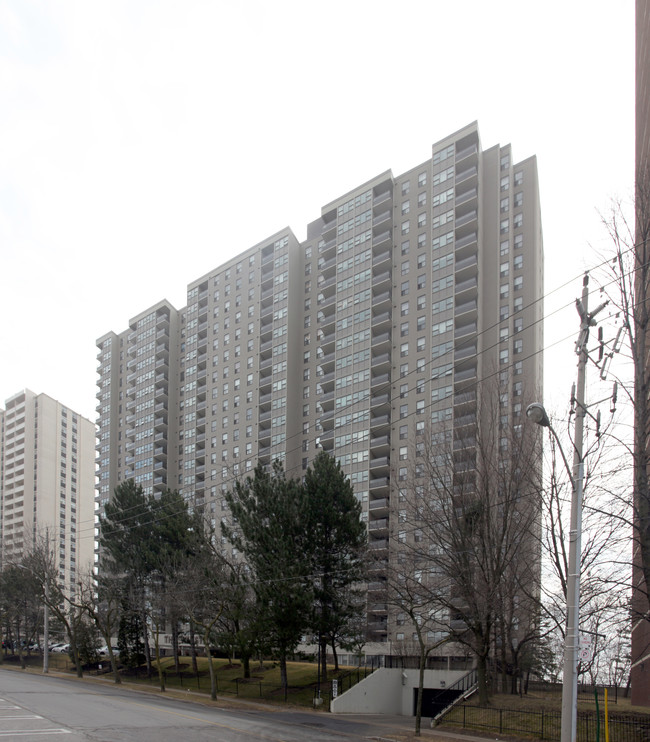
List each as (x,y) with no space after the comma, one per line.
(626,281)
(411,586)
(604,577)
(101,598)
(469,509)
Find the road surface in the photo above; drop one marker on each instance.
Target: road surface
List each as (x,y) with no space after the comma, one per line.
(35,708)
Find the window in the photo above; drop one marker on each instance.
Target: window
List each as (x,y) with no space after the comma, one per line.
(405,227)
(518,262)
(404,329)
(405,288)
(405,267)
(503,270)
(519,178)
(503,334)
(505,226)
(422,220)
(405,187)
(403,370)
(518,283)
(422,240)
(503,291)
(422,300)
(420,345)
(406,207)
(422,281)
(519,241)
(403,455)
(404,309)
(421,323)
(518,347)
(518,388)
(518,220)
(403,432)
(422,260)
(422,199)
(405,247)
(403,411)
(505,205)
(503,357)
(519,198)
(519,325)
(419,407)
(504,248)
(404,349)
(422,180)
(519,368)
(505,183)
(518,304)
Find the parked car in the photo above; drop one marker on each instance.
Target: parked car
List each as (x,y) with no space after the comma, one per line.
(61,648)
(104,651)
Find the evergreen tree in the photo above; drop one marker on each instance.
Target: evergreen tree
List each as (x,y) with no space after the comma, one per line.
(269,515)
(337,550)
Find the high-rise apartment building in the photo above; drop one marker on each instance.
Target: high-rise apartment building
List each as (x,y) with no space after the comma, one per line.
(407,292)
(47,487)
(640,671)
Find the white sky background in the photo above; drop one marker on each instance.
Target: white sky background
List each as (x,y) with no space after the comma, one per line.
(133,132)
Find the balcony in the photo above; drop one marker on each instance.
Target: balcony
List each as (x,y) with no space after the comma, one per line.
(380,465)
(469,172)
(379,507)
(384,238)
(382,218)
(381,198)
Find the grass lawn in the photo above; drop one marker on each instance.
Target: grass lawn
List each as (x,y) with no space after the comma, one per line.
(264,682)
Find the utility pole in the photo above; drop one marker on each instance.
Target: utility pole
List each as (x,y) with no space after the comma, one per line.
(537,414)
(572,639)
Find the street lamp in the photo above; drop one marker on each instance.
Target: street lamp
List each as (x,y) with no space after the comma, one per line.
(537,414)
(46,619)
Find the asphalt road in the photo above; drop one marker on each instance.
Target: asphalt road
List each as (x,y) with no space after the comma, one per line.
(37,708)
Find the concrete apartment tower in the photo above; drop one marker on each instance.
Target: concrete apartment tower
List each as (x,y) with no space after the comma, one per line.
(47,490)
(640,671)
(407,292)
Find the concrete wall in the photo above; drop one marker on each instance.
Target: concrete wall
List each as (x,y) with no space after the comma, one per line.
(390,691)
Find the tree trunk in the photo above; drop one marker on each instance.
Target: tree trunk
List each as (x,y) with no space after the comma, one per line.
(147,648)
(161,674)
(482,675)
(213,674)
(116,673)
(335,655)
(323,659)
(418,708)
(284,680)
(177,664)
(246,662)
(195,664)
(77,661)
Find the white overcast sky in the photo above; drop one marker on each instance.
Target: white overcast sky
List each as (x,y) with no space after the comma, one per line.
(133,132)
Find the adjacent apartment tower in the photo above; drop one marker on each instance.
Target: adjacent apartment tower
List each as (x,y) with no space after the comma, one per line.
(407,292)
(640,651)
(47,484)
